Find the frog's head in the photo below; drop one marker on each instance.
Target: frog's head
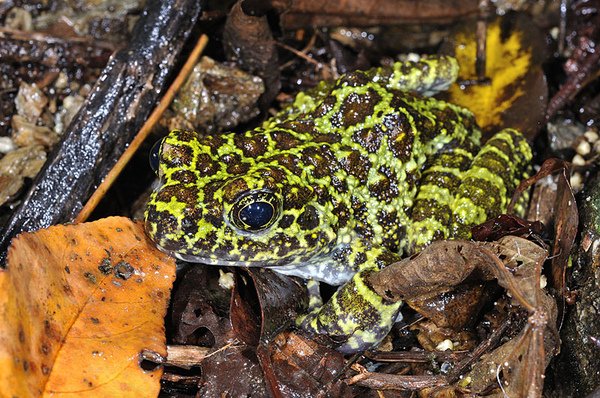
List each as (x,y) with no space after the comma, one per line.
(264,217)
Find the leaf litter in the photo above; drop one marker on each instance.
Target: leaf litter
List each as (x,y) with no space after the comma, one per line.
(513,368)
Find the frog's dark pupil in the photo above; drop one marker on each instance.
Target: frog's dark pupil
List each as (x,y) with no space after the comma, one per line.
(154,156)
(256,215)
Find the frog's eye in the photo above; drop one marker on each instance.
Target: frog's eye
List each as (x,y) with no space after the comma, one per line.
(255,211)
(154,156)
(257,215)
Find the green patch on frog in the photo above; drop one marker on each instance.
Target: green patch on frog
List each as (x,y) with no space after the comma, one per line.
(349,178)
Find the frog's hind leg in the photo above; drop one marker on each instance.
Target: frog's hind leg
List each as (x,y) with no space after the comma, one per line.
(431,213)
(490,181)
(356,316)
(424,75)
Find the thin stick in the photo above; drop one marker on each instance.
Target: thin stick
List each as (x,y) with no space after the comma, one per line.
(482,22)
(144,131)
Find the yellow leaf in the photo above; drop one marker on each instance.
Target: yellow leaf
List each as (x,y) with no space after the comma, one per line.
(516,93)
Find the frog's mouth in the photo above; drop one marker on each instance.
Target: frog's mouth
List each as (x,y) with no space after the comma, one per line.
(191,258)
(317,267)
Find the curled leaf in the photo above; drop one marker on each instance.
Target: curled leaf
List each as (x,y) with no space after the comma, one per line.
(566,217)
(263,308)
(518,365)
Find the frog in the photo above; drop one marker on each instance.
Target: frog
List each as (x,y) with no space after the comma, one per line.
(353,175)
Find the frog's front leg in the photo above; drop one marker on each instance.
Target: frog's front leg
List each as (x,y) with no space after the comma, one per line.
(356,316)
(315,302)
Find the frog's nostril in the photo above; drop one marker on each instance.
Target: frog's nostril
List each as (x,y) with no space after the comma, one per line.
(186,223)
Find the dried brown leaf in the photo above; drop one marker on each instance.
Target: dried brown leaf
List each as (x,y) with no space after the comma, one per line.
(518,366)
(516,263)
(297,367)
(566,216)
(263,308)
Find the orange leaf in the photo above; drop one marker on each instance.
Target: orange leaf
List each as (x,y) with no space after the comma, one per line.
(78,303)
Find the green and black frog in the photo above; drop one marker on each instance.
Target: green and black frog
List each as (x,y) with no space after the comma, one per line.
(352,176)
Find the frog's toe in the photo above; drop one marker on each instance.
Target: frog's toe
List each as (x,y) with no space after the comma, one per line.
(356,317)
(350,340)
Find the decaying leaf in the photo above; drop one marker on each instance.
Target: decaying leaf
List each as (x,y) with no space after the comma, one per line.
(199,316)
(450,314)
(516,264)
(520,363)
(232,372)
(297,367)
(78,304)
(280,299)
(564,208)
(199,308)
(248,41)
(504,225)
(516,93)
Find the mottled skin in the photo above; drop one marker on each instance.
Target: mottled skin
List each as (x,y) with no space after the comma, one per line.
(353,175)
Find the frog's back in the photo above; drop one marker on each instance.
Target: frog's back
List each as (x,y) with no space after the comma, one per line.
(342,162)
(361,150)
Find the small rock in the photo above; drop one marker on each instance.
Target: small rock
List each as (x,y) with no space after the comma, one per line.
(17,165)
(578,160)
(583,148)
(218,97)
(30,102)
(70,107)
(18,18)
(6,145)
(591,136)
(28,134)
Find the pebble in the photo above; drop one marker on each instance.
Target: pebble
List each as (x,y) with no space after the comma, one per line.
(583,148)
(578,160)
(6,145)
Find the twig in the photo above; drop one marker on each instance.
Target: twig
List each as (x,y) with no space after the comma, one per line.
(52,51)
